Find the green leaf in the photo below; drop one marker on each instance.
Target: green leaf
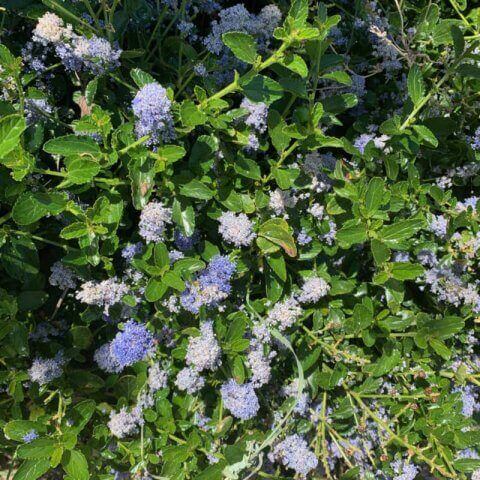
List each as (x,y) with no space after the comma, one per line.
(82,337)
(155,290)
(72,145)
(242,45)
(75,464)
(17,429)
(20,162)
(446,327)
(375,194)
(381,253)
(141,78)
(81,413)
(285,177)
(458,40)
(170,153)
(298,12)
(440,348)
(426,135)
(11,128)
(469,71)
(406,270)
(196,189)
(352,233)
(276,124)
(386,363)
(263,89)
(184,217)
(74,230)
(141,172)
(20,258)
(415,85)
(247,168)
(466,465)
(296,64)
(391,235)
(160,254)
(276,231)
(362,318)
(339,76)
(32,469)
(39,448)
(277,264)
(191,115)
(81,170)
(172,280)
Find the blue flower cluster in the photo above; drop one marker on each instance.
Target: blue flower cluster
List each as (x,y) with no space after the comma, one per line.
(211,287)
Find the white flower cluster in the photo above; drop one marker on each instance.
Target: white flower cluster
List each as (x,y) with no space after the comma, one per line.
(313,290)
(280,200)
(103,294)
(203,352)
(236,229)
(51,29)
(152,223)
(125,423)
(62,276)
(284,314)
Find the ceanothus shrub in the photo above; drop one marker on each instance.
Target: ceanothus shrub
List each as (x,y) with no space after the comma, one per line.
(239,241)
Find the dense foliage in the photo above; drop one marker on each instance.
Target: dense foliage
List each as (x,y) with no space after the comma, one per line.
(239,241)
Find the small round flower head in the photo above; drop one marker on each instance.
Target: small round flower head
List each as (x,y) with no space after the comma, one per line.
(253,143)
(280,200)
(200,70)
(470,399)
(97,54)
(151,107)
(157,377)
(124,423)
(476,474)
(189,380)
(153,220)
(362,141)
(130,250)
(185,243)
(404,470)
(30,436)
(203,352)
(291,390)
(314,163)
(284,314)
(438,225)
(240,399)
(44,370)
(427,258)
(106,360)
(401,257)
(36,110)
(303,238)
(259,364)
(133,344)
(313,290)
(329,237)
(258,113)
(293,453)
(211,287)
(268,19)
(175,255)
(236,229)
(103,294)
(51,29)
(317,211)
(62,277)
